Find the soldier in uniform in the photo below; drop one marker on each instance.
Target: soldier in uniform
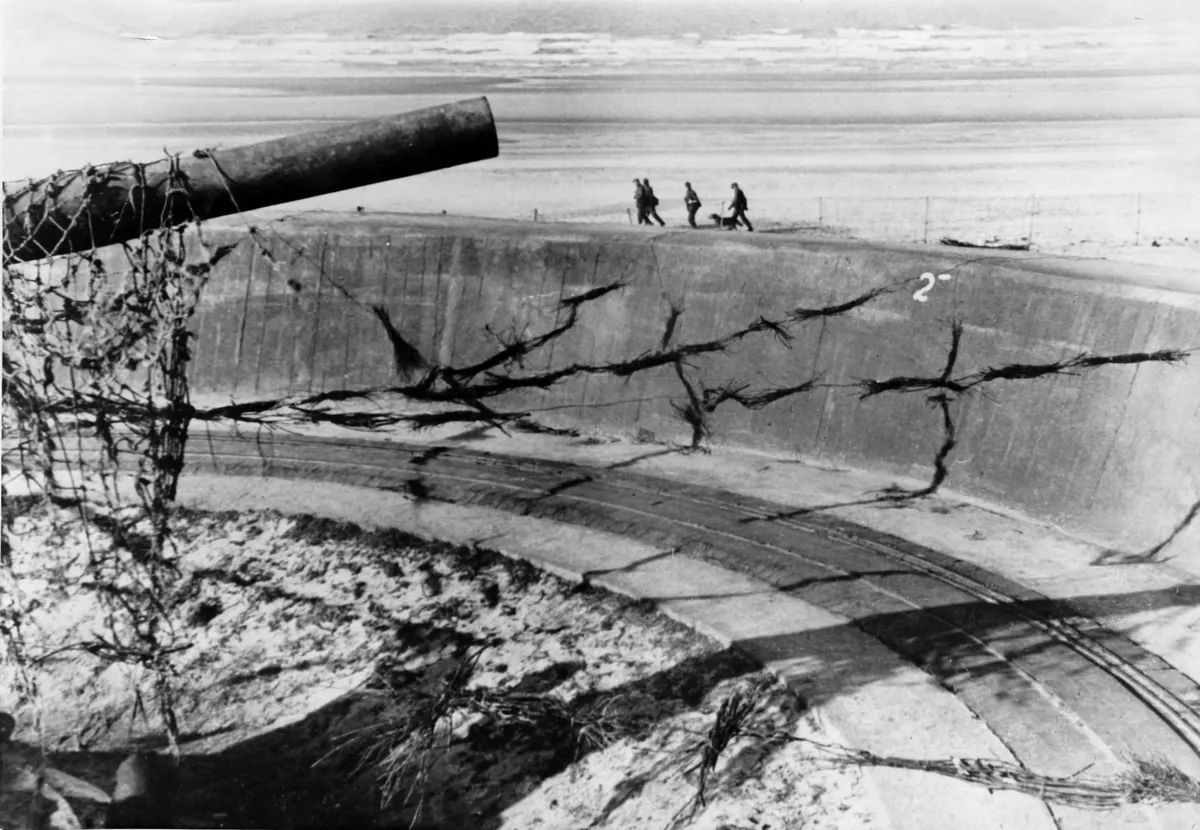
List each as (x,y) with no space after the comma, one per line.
(739,206)
(651,203)
(692,202)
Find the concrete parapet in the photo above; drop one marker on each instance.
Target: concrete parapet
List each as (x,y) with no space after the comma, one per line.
(1113,454)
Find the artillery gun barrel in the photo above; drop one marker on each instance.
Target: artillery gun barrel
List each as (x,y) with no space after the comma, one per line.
(79,210)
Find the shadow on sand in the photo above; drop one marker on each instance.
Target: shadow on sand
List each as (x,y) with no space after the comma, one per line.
(288,777)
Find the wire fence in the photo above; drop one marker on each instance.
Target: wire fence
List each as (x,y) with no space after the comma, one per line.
(1046,223)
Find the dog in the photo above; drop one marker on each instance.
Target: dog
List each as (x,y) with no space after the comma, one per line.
(726,222)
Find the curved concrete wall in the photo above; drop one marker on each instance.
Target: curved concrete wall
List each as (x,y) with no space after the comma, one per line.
(1113,453)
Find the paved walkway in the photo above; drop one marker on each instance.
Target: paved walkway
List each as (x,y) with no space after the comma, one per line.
(1007,672)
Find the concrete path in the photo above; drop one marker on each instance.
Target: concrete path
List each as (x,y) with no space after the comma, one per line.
(866,696)
(833,606)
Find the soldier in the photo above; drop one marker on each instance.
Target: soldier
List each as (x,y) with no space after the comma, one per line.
(651,203)
(692,202)
(639,199)
(739,206)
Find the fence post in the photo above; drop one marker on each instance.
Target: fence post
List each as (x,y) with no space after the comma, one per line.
(629,213)
(1137,232)
(926,237)
(1032,213)
(535,214)
(820,211)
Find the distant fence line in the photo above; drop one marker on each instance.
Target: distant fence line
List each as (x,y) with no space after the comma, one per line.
(1044,222)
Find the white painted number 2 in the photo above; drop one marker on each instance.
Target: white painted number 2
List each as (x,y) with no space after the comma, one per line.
(921,295)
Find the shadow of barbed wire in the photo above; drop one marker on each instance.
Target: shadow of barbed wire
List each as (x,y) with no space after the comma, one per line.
(521,363)
(1153,554)
(945,389)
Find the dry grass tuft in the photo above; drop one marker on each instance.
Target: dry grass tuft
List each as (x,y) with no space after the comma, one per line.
(1158,781)
(410,729)
(729,726)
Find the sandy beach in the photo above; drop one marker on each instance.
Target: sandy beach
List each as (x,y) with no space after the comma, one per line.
(1079,140)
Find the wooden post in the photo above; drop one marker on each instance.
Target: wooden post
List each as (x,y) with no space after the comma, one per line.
(925,239)
(535,214)
(84,209)
(1137,232)
(1032,213)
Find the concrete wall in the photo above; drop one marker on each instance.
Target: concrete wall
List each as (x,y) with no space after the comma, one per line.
(1113,453)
